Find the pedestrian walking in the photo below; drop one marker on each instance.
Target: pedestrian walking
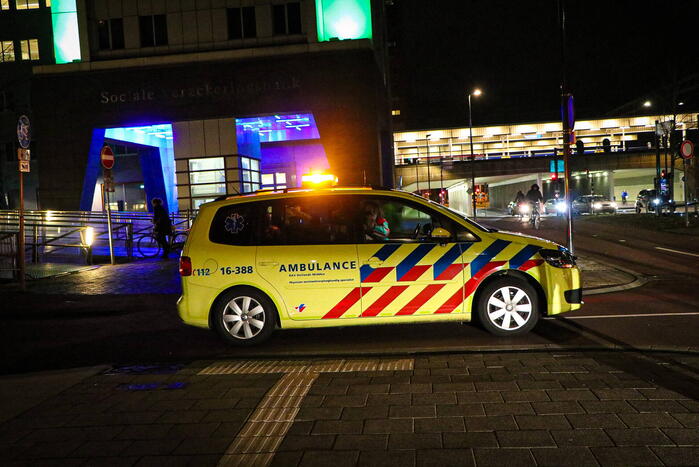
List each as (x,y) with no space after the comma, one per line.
(162,227)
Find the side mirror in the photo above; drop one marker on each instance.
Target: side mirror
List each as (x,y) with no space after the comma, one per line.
(441,235)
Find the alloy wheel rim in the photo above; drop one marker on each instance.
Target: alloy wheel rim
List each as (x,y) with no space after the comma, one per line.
(243,317)
(509,308)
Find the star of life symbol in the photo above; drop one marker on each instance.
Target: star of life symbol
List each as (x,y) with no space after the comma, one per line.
(235,223)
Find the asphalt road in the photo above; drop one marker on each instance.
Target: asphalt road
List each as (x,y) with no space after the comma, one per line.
(139,329)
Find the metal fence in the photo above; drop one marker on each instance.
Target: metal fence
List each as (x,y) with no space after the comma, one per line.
(8,253)
(81,234)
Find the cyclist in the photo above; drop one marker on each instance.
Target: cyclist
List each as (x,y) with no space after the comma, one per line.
(535,198)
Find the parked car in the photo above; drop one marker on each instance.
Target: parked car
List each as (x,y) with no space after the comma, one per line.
(593,204)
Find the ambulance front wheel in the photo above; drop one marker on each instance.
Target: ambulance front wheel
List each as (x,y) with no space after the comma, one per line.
(508,307)
(243,316)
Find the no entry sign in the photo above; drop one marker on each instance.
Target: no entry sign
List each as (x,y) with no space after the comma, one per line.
(687,149)
(107,157)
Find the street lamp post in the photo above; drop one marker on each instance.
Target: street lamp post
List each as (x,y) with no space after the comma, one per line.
(429,178)
(475,92)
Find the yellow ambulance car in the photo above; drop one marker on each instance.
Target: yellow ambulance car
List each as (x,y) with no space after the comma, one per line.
(310,258)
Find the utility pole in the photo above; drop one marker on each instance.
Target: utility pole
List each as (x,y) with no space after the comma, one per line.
(568,121)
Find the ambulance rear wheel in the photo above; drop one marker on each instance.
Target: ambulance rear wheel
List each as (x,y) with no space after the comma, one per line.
(244,316)
(508,307)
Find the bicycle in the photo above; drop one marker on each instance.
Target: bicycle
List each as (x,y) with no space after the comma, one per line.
(535,216)
(148,246)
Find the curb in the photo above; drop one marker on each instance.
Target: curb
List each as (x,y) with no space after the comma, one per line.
(462,350)
(639,280)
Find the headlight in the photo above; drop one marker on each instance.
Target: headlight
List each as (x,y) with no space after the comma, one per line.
(558,258)
(561,207)
(656,201)
(524,208)
(597,205)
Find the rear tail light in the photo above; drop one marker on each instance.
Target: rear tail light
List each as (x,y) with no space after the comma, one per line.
(185,266)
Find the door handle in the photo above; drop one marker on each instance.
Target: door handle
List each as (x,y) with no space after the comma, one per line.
(374,261)
(268,263)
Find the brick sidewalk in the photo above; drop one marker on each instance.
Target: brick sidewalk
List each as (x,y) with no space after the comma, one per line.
(503,408)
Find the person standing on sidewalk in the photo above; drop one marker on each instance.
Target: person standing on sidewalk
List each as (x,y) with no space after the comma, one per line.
(162,227)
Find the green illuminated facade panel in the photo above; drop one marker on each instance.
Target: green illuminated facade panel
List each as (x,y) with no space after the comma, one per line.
(343,19)
(66,38)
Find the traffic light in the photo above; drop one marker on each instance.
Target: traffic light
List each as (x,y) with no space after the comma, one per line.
(554,177)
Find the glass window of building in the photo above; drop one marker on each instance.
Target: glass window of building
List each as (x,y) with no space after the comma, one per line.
(249,174)
(111,34)
(241,23)
(274,181)
(30,49)
(27,4)
(7,51)
(153,30)
(286,19)
(196,203)
(4,4)
(207,177)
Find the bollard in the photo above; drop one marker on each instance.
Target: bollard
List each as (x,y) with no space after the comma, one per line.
(129,241)
(35,241)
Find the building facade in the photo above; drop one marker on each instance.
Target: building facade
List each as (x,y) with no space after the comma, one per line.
(611,156)
(25,41)
(208,97)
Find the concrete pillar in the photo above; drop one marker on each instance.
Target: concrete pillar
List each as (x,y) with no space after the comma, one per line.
(610,182)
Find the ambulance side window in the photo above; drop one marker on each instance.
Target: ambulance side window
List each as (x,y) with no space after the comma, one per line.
(307,221)
(235,224)
(390,220)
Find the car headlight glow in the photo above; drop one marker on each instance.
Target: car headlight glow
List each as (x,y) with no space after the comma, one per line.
(656,201)
(561,206)
(524,208)
(558,258)
(597,205)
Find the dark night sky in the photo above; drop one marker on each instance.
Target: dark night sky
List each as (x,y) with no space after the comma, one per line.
(620,52)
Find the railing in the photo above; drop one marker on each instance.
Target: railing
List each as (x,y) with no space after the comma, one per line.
(8,253)
(409,155)
(64,232)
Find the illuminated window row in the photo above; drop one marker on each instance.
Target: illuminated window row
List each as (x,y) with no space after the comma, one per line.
(29,50)
(7,51)
(23,4)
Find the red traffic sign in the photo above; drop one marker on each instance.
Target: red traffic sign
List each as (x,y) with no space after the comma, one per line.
(687,149)
(107,157)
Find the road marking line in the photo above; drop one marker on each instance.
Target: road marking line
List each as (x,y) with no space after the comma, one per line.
(265,429)
(676,251)
(635,315)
